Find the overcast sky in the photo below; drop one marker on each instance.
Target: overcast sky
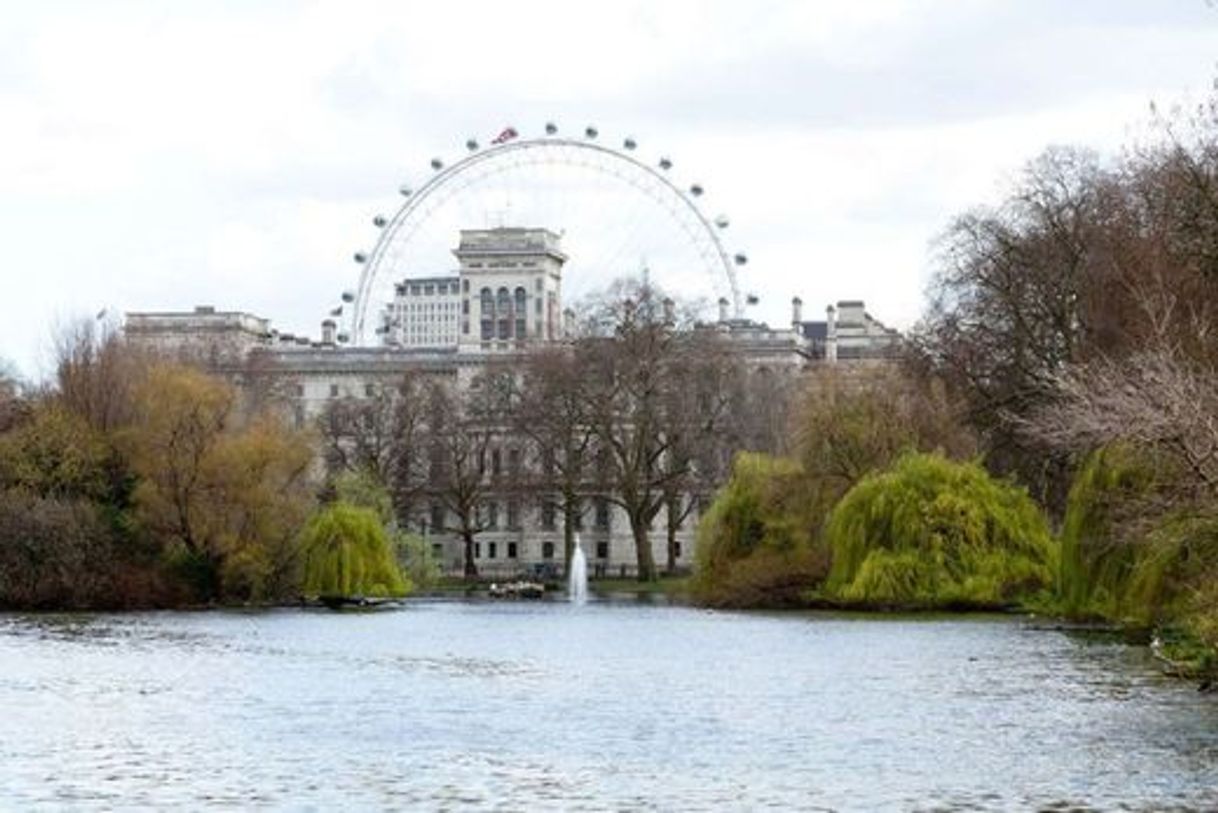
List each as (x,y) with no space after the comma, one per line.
(161,155)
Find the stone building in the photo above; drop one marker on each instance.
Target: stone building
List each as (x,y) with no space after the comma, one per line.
(505,297)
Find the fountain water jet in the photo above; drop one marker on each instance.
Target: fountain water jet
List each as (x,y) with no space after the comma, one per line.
(577,578)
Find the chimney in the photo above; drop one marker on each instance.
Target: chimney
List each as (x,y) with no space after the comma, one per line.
(327,332)
(723,303)
(830,334)
(797,312)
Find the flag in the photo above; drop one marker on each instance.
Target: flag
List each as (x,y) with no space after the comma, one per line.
(507,135)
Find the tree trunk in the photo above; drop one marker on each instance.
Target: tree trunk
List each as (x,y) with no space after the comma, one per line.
(568,536)
(471,569)
(642,548)
(670,567)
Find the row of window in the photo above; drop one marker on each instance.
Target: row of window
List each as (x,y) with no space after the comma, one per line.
(549,550)
(490,512)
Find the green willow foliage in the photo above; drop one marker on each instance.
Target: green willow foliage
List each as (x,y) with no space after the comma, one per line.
(756,509)
(755,542)
(1159,570)
(932,533)
(347,553)
(1096,570)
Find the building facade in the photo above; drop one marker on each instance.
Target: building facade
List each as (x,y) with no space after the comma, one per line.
(506,297)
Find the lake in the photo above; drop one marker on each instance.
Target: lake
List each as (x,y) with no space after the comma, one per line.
(612,706)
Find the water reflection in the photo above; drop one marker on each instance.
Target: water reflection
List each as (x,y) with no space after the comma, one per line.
(622,706)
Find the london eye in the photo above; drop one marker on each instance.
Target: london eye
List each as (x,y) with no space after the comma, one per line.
(618,213)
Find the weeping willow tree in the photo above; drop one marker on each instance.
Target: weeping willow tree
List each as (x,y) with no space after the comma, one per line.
(1129,553)
(347,553)
(928,532)
(755,541)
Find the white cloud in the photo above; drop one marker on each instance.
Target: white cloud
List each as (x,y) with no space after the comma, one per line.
(167,155)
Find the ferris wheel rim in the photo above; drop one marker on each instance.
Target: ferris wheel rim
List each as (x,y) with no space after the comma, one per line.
(443,174)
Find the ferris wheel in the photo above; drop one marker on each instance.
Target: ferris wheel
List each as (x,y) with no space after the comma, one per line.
(616,213)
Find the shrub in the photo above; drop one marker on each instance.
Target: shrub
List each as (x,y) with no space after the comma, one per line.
(932,533)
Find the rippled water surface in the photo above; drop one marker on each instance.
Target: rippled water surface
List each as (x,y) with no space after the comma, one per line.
(615,706)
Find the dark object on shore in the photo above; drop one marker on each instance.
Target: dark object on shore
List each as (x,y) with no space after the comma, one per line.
(520,589)
(356,602)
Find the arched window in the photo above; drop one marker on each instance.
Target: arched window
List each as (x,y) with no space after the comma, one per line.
(504,302)
(521,312)
(488,302)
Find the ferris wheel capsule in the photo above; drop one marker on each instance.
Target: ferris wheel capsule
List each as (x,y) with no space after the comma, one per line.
(666,163)
(360,257)
(722,221)
(696,190)
(741,259)
(405,191)
(471,145)
(551,128)
(630,143)
(591,132)
(437,164)
(348,296)
(379,221)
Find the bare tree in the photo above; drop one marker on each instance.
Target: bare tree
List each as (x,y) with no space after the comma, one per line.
(1154,400)
(461,430)
(632,357)
(552,410)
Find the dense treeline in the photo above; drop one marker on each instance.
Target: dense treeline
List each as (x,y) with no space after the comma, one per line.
(133,481)
(1070,337)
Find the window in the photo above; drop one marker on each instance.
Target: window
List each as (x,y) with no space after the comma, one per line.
(547,550)
(520,334)
(602,550)
(300,390)
(429,290)
(486,301)
(496,463)
(437,518)
(511,550)
(493,515)
(547,515)
(465,307)
(477,550)
(676,549)
(514,462)
(491,550)
(503,302)
(521,296)
(414,290)
(465,285)
(513,514)
(333,390)
(369,390)
(602,513)
(437,550)
(488,330)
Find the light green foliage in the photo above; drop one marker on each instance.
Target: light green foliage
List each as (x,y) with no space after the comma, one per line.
(929,532)
(347,553)
(412,552)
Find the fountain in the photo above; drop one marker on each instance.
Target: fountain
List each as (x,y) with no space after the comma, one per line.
(577,577)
